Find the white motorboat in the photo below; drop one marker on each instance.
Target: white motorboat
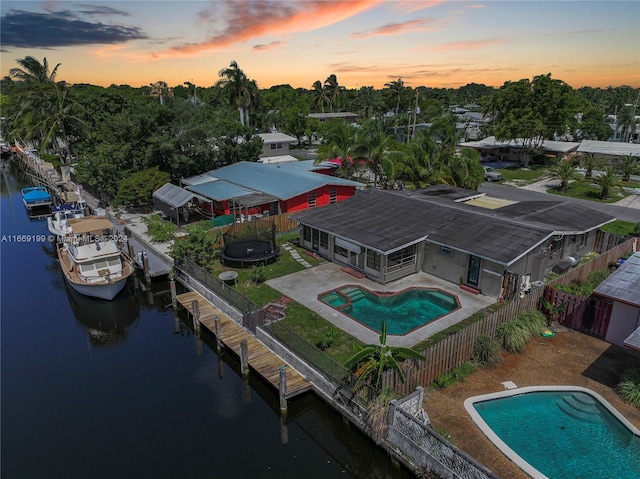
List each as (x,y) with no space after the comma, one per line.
(91,258)
(57,223)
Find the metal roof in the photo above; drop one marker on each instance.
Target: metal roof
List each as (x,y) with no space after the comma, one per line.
(340,114)
(278,180)
(633,341)
(609,148)
(547,145)
(219,190)
(175,196)
(276,138)
(624,283)
(386,220)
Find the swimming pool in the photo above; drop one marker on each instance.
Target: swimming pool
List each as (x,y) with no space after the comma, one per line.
(403,311)
(557,432)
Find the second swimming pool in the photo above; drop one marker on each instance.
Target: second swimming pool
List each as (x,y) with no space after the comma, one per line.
(403,311)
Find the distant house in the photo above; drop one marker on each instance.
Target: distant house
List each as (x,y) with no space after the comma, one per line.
(622,288)
(275,144)
(490,245)
(249,189)
(512,150)
(609,150)
(322,117)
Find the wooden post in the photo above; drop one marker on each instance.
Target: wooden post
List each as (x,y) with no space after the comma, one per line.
(196,316)
(146,267)
(246,389)
(130,249)
(283,388)
(216,330)
(174,295)
(284,429)
(176,323)
(244,354)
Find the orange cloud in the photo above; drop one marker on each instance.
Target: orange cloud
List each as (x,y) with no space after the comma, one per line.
(397,28)
(255,18)
(469,45)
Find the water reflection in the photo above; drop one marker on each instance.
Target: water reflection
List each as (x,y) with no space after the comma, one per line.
(106,322)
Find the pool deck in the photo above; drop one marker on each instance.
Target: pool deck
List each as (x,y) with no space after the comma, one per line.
(568,358)
(305,286)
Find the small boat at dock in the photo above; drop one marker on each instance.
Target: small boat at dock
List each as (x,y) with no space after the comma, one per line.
(58,224)
(91,258)
(36,197)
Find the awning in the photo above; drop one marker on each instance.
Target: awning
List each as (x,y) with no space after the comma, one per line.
(633,341)
(175,196)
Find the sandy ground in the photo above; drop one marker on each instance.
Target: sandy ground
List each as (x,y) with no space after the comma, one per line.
(569,358)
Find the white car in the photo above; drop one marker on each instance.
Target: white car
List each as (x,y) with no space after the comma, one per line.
(491,175)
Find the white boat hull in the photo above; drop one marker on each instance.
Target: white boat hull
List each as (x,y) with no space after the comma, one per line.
(101,291)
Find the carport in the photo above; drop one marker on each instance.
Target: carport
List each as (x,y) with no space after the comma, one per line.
(173,200)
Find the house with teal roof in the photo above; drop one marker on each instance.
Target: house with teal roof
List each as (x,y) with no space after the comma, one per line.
(249,189)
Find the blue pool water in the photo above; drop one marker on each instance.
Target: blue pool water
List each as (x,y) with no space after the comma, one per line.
(403,312)
(564,434)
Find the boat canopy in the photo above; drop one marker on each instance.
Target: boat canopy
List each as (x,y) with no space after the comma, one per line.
(90,224)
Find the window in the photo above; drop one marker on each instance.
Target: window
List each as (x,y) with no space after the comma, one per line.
(583,241)
(324,240)
(373,260)
(311,199)
(307,233)
(444,251)
(340,251)
(333,195)
(276,146)
(402,258)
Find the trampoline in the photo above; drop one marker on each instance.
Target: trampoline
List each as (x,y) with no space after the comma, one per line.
(247,244)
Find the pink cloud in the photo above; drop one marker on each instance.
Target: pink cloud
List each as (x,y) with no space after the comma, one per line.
(469,45)
(250,19)
(397,28)
(267,46)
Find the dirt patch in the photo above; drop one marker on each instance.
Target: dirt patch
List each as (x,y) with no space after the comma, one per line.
(569,358)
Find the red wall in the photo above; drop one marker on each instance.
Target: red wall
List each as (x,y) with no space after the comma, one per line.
(301,202)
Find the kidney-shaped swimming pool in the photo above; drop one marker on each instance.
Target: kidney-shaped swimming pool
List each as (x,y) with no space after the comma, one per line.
(403,311)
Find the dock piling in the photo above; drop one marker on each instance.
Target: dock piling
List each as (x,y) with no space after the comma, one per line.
(196,316)
(244,357)
(172,287)
(282,387)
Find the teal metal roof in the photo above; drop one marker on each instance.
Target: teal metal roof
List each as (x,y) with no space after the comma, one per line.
(219,190)
(277,180)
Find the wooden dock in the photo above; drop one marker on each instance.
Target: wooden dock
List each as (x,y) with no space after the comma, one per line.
(260,359)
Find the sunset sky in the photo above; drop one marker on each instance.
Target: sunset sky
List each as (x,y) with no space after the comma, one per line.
(363,42)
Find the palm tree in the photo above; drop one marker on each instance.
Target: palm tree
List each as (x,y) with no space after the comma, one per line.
(607,180)
(369,100)
(319,94)
(374,147)
(33,71)
(589,162)
(565,173)
(338,142)
(397,87)
(333,90)
(161,90)
(239,90)
(629,166)
(372,360)
(626,120)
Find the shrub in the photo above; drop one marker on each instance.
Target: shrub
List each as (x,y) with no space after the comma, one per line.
(326,338)
(258,274)
(513,336)
(158,229)
(452,377)
(378,413)
(533,321)
(629,387)
(486,351)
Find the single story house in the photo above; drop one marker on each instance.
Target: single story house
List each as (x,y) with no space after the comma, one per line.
(609,150)
(345,115)
(249,188)
(486,244)
(275,144)
(622,288)
(174,201)
(512,150)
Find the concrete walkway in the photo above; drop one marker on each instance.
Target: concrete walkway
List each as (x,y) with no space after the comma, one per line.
(296,255)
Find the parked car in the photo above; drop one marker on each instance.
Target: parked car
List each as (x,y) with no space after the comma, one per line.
(491,175)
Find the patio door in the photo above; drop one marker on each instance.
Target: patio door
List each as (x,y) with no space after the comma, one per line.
(356,259)
(315,240)
(473,271)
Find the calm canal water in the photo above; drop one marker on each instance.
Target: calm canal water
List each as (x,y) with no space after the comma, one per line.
(99,390)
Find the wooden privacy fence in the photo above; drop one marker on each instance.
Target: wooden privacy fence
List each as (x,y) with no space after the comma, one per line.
(457,349)
(282,221)
(587,315)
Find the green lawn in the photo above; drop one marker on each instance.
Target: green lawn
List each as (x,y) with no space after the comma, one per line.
(524,176)
(590,191)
